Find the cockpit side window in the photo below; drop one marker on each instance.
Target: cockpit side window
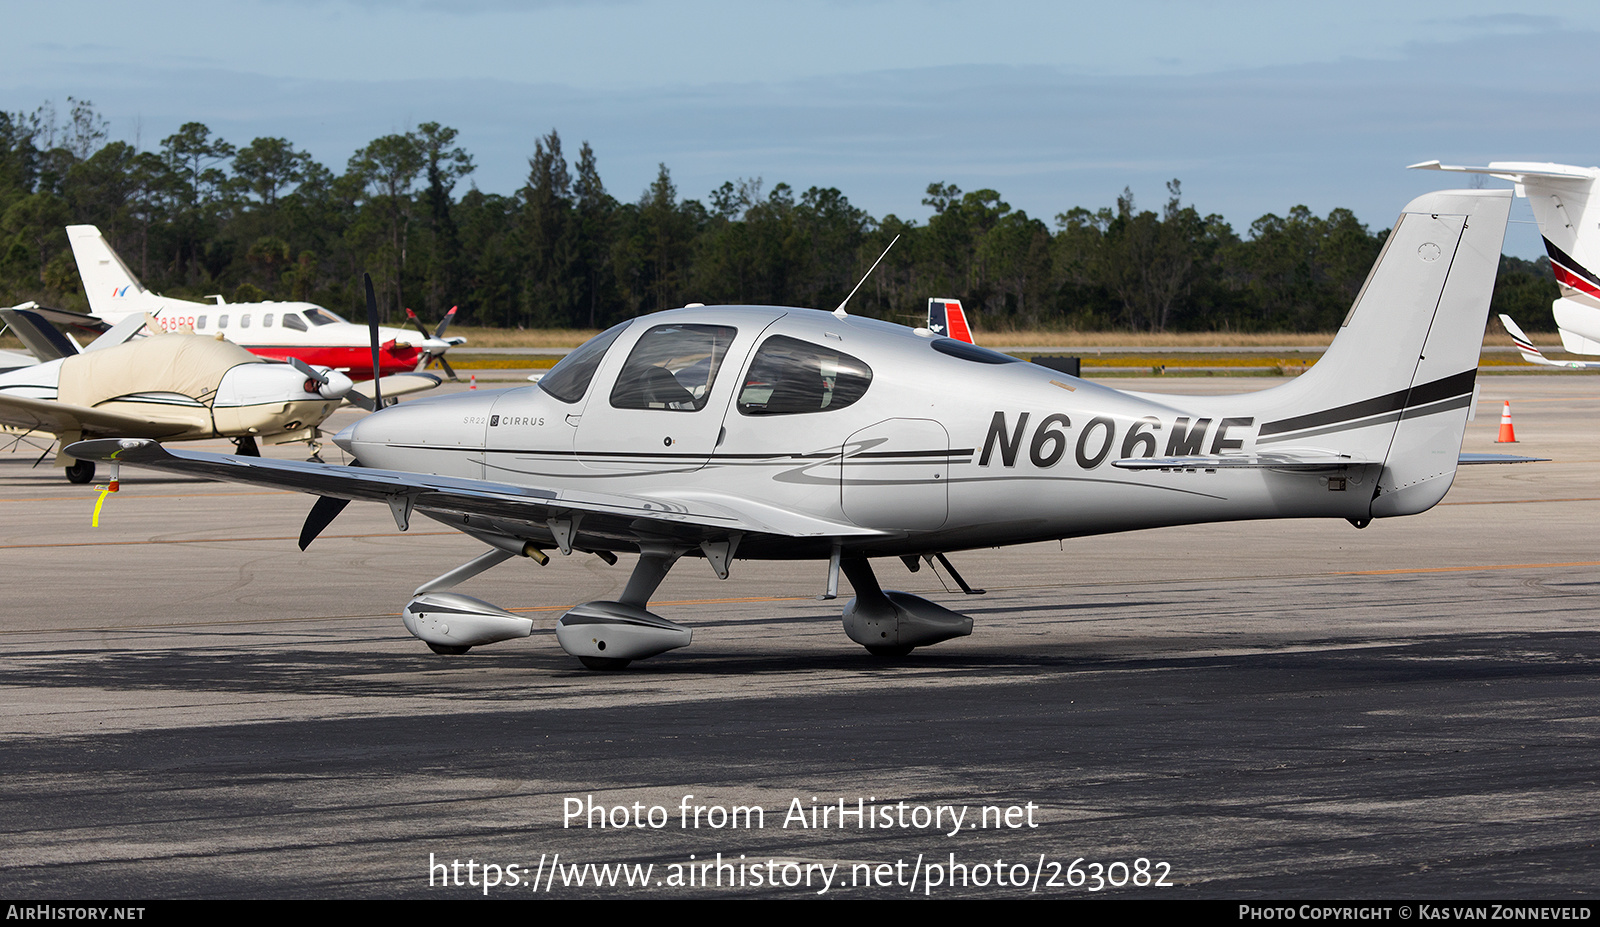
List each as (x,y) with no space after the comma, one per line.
(320,316)
(569,379)
(672,367)
(291,320)
(790,377)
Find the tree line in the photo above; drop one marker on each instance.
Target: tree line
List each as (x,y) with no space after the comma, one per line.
(201,216)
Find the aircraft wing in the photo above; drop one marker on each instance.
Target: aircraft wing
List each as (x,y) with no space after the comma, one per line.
(393,385)
(78,320)
(625,516)
(65,418)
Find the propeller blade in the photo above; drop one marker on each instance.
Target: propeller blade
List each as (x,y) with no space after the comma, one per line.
(310,372)
(417,322)
(372,330)
(444,323)
(447,368)
(321,515)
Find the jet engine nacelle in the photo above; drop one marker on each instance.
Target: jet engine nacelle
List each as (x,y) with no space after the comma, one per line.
(449,619)
(612,631)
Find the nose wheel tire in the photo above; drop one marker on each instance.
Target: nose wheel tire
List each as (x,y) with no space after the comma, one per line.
(449,650)
(886,650)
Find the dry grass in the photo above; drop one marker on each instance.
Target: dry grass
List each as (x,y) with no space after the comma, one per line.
(1075,339)
(478,337)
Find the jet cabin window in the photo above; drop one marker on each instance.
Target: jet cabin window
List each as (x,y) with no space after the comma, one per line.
(672,367)
(569,379)
(790,376)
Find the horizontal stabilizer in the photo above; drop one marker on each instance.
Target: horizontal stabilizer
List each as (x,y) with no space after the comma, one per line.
(1281,461)
(1469,459)
(1274,461)
(1514,171)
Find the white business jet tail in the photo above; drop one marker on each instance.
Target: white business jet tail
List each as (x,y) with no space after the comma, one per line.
(1567,208)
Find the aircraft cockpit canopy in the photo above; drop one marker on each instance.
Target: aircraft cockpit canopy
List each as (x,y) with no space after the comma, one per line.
(672,367)
(569,379)
(789,376)
(317,315)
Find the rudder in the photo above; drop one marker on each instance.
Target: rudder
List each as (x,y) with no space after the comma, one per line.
(112,288)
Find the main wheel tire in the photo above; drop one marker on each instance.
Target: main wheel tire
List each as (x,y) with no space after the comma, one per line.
(449,650)
(604,663)
(890,650)
(81,471)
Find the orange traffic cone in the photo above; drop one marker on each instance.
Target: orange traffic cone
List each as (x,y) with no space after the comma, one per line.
(1508,435)
(474,379)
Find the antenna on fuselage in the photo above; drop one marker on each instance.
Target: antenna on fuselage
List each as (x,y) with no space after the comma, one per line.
(840,311)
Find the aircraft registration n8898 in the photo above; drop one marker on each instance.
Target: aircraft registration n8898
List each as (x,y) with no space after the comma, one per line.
(749,432)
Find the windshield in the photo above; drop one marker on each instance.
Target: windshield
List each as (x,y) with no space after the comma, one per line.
(569,379)
(320,316)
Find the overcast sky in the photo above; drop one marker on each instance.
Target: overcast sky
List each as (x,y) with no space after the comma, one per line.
(1255,106)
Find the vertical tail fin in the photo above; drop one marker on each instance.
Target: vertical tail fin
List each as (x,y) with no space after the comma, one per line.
(1398,381)
(112,288)
(1567,209)
(946,317)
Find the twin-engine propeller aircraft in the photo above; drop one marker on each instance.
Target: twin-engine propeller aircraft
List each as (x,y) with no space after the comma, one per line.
(176,387)
(1567,210)
(271,329)
(757,432)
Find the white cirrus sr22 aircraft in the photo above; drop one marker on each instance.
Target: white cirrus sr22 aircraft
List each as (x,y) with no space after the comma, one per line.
(753,432)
